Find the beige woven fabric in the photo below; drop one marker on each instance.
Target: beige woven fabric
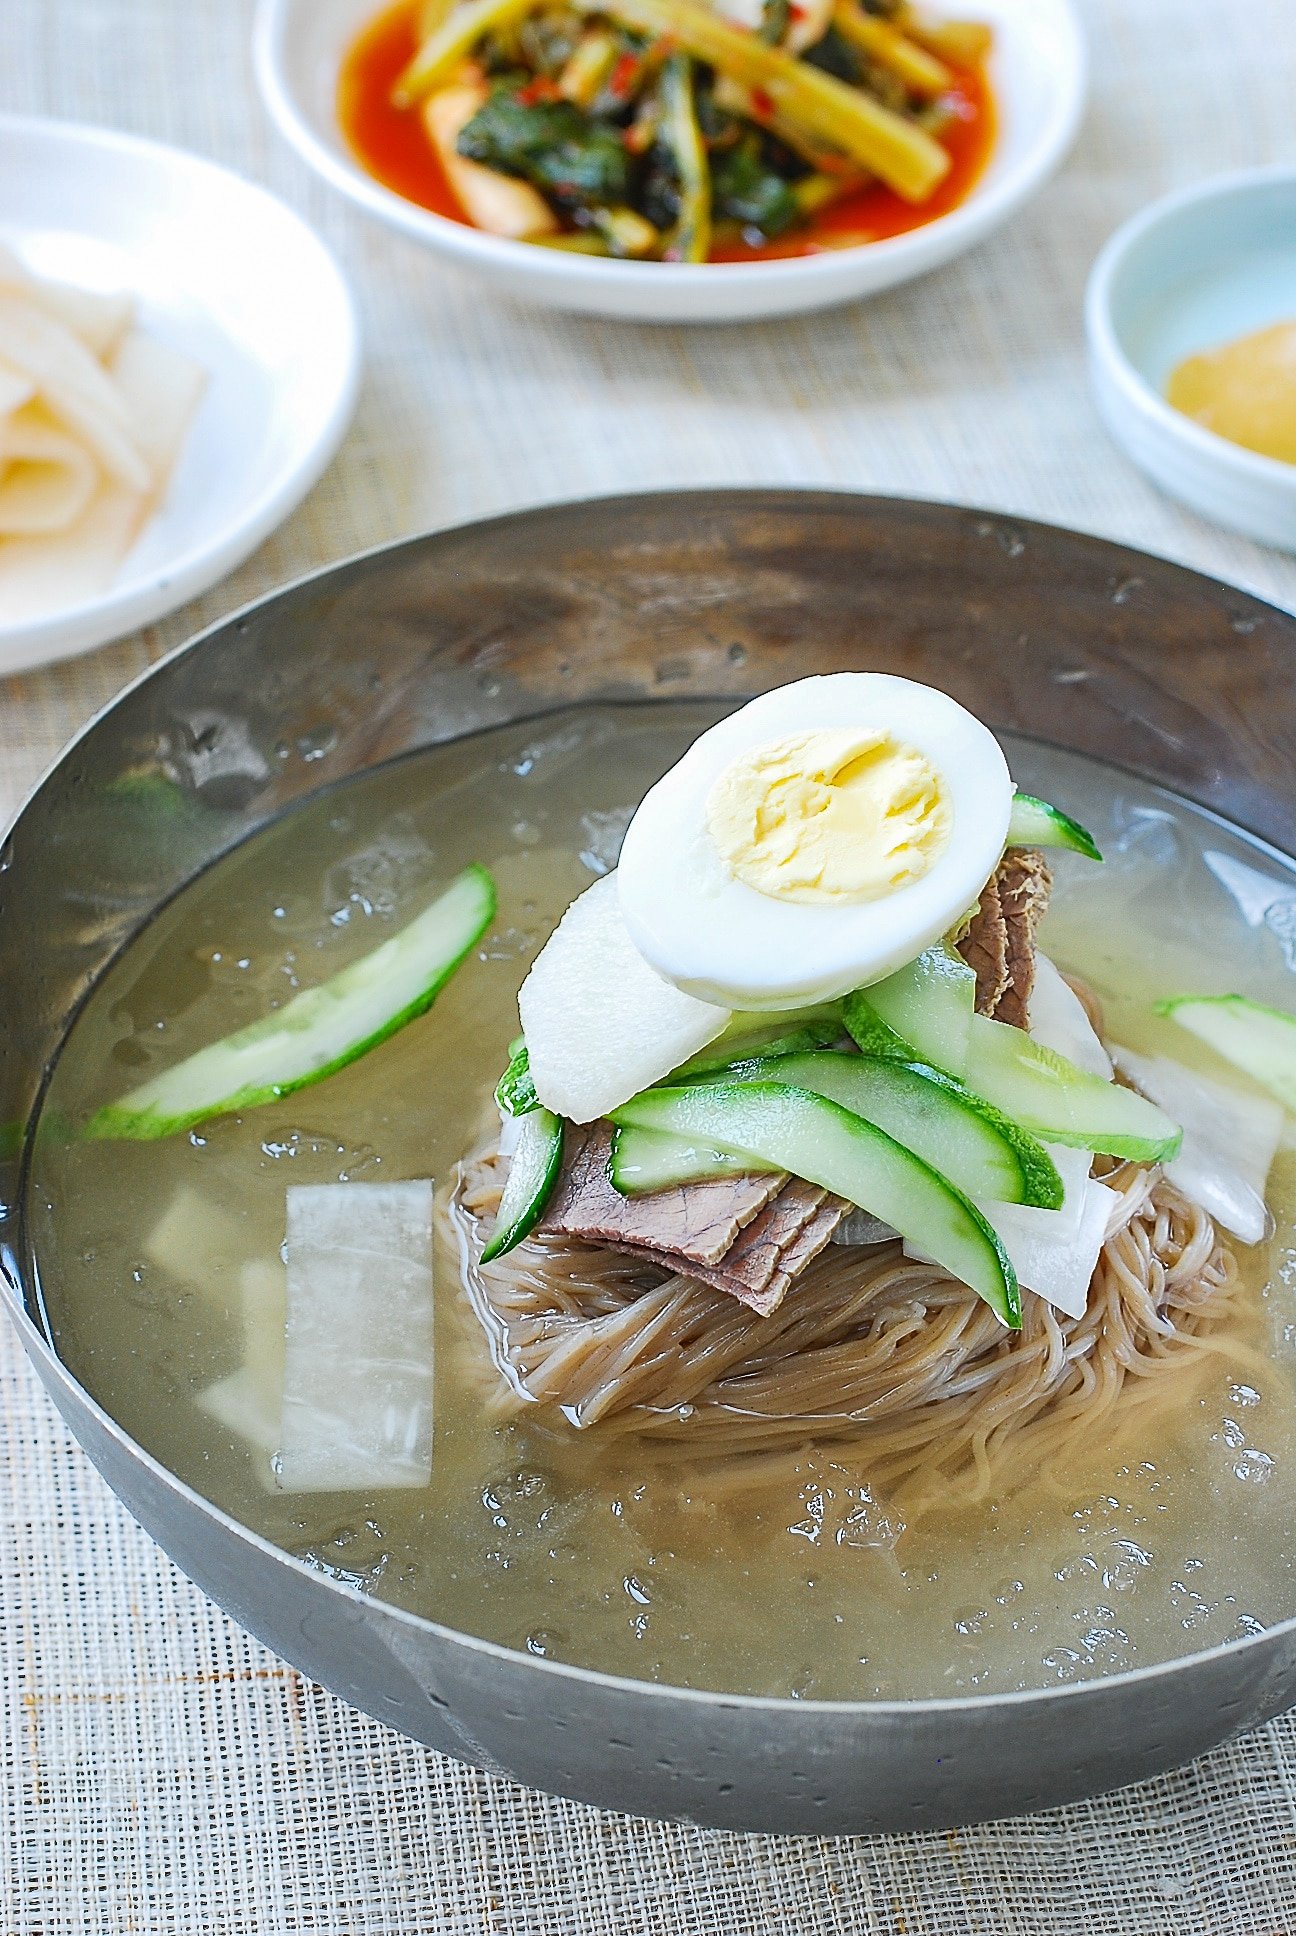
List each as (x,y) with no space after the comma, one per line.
(159,1772)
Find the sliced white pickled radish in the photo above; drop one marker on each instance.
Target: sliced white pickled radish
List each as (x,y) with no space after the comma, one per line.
(1230,1138)
(200,1243)
(1055,1252)
(357,1400)
(1058,1021)
(249,1402)
(600,1024)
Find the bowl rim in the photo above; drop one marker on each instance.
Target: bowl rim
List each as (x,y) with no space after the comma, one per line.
(54,1372)
(981,209)
(1108,352)
(142,599)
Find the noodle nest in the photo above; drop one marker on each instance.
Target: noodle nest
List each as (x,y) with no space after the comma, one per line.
(939,1401)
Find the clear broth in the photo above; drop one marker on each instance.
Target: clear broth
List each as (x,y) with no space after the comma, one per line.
(629,1557)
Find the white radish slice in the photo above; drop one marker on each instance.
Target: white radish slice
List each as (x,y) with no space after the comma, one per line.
(15,390)
(1054,1251)
(74,386)
(1058,1021)
(1230,1138)
(46,477)
(357,1400)
(1055,1254)
(198,1242)
(100,318)
(497,203)
(263,1289)
(249,1402)
(60,568)
(1073,1166)
(238,1404)
(161,387)
(600,1024)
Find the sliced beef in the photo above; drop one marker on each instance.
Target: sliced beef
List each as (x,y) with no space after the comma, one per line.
(781,1251)
(748,1235)
(1000,942)
(696,1222)
(772,1250)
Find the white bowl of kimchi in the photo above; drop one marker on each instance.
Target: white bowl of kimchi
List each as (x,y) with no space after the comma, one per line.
(1037,73)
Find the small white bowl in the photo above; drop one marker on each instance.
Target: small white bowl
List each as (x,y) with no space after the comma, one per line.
(229,275)
(1038,74)
(1196,270)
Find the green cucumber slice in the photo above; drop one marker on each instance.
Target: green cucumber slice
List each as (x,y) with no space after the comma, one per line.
(319,1030)
(644,1160)
(817,1139)
(1053,1099)
(515,1091)
(922,1013)
(1034,823)
(533,1172)
(1259,1040)
(963,1137)
(750,1034)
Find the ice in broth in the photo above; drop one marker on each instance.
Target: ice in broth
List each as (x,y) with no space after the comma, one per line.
(620,1552)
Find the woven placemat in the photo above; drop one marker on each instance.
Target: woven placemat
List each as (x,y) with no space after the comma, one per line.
(160,1772)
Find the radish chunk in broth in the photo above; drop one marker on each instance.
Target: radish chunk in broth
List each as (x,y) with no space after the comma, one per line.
(357,1403)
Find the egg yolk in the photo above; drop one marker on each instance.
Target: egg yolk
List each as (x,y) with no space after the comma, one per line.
(832,817)
(1245,391)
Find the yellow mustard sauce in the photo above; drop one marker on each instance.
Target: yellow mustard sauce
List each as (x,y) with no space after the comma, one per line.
(1245,391)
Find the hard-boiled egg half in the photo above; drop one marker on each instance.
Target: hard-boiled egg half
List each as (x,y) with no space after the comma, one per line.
(814,841)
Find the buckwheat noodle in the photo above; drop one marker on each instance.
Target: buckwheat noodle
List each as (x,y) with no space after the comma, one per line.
(939,1402)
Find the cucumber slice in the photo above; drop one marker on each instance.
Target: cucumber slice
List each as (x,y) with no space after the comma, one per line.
(1259,1040)
(515,1092)
(817,1139)
(771,1035)
(318,1031)
(922,1013)
(644,1160)
(1053,1099)
(963,1137)
(1034,823)
(533,1172)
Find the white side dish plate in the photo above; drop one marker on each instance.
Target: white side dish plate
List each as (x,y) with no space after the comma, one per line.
(1038,73)
(225,273)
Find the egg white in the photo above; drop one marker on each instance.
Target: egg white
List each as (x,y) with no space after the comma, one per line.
(725,942)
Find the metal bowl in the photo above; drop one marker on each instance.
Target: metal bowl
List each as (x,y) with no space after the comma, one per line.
(1120,656)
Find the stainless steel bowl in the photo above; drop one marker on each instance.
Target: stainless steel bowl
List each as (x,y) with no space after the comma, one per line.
(1114,654)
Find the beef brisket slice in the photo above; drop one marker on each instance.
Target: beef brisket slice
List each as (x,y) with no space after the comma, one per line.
(772,1250)
(696,1222)
(999,945)
(748,1235)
